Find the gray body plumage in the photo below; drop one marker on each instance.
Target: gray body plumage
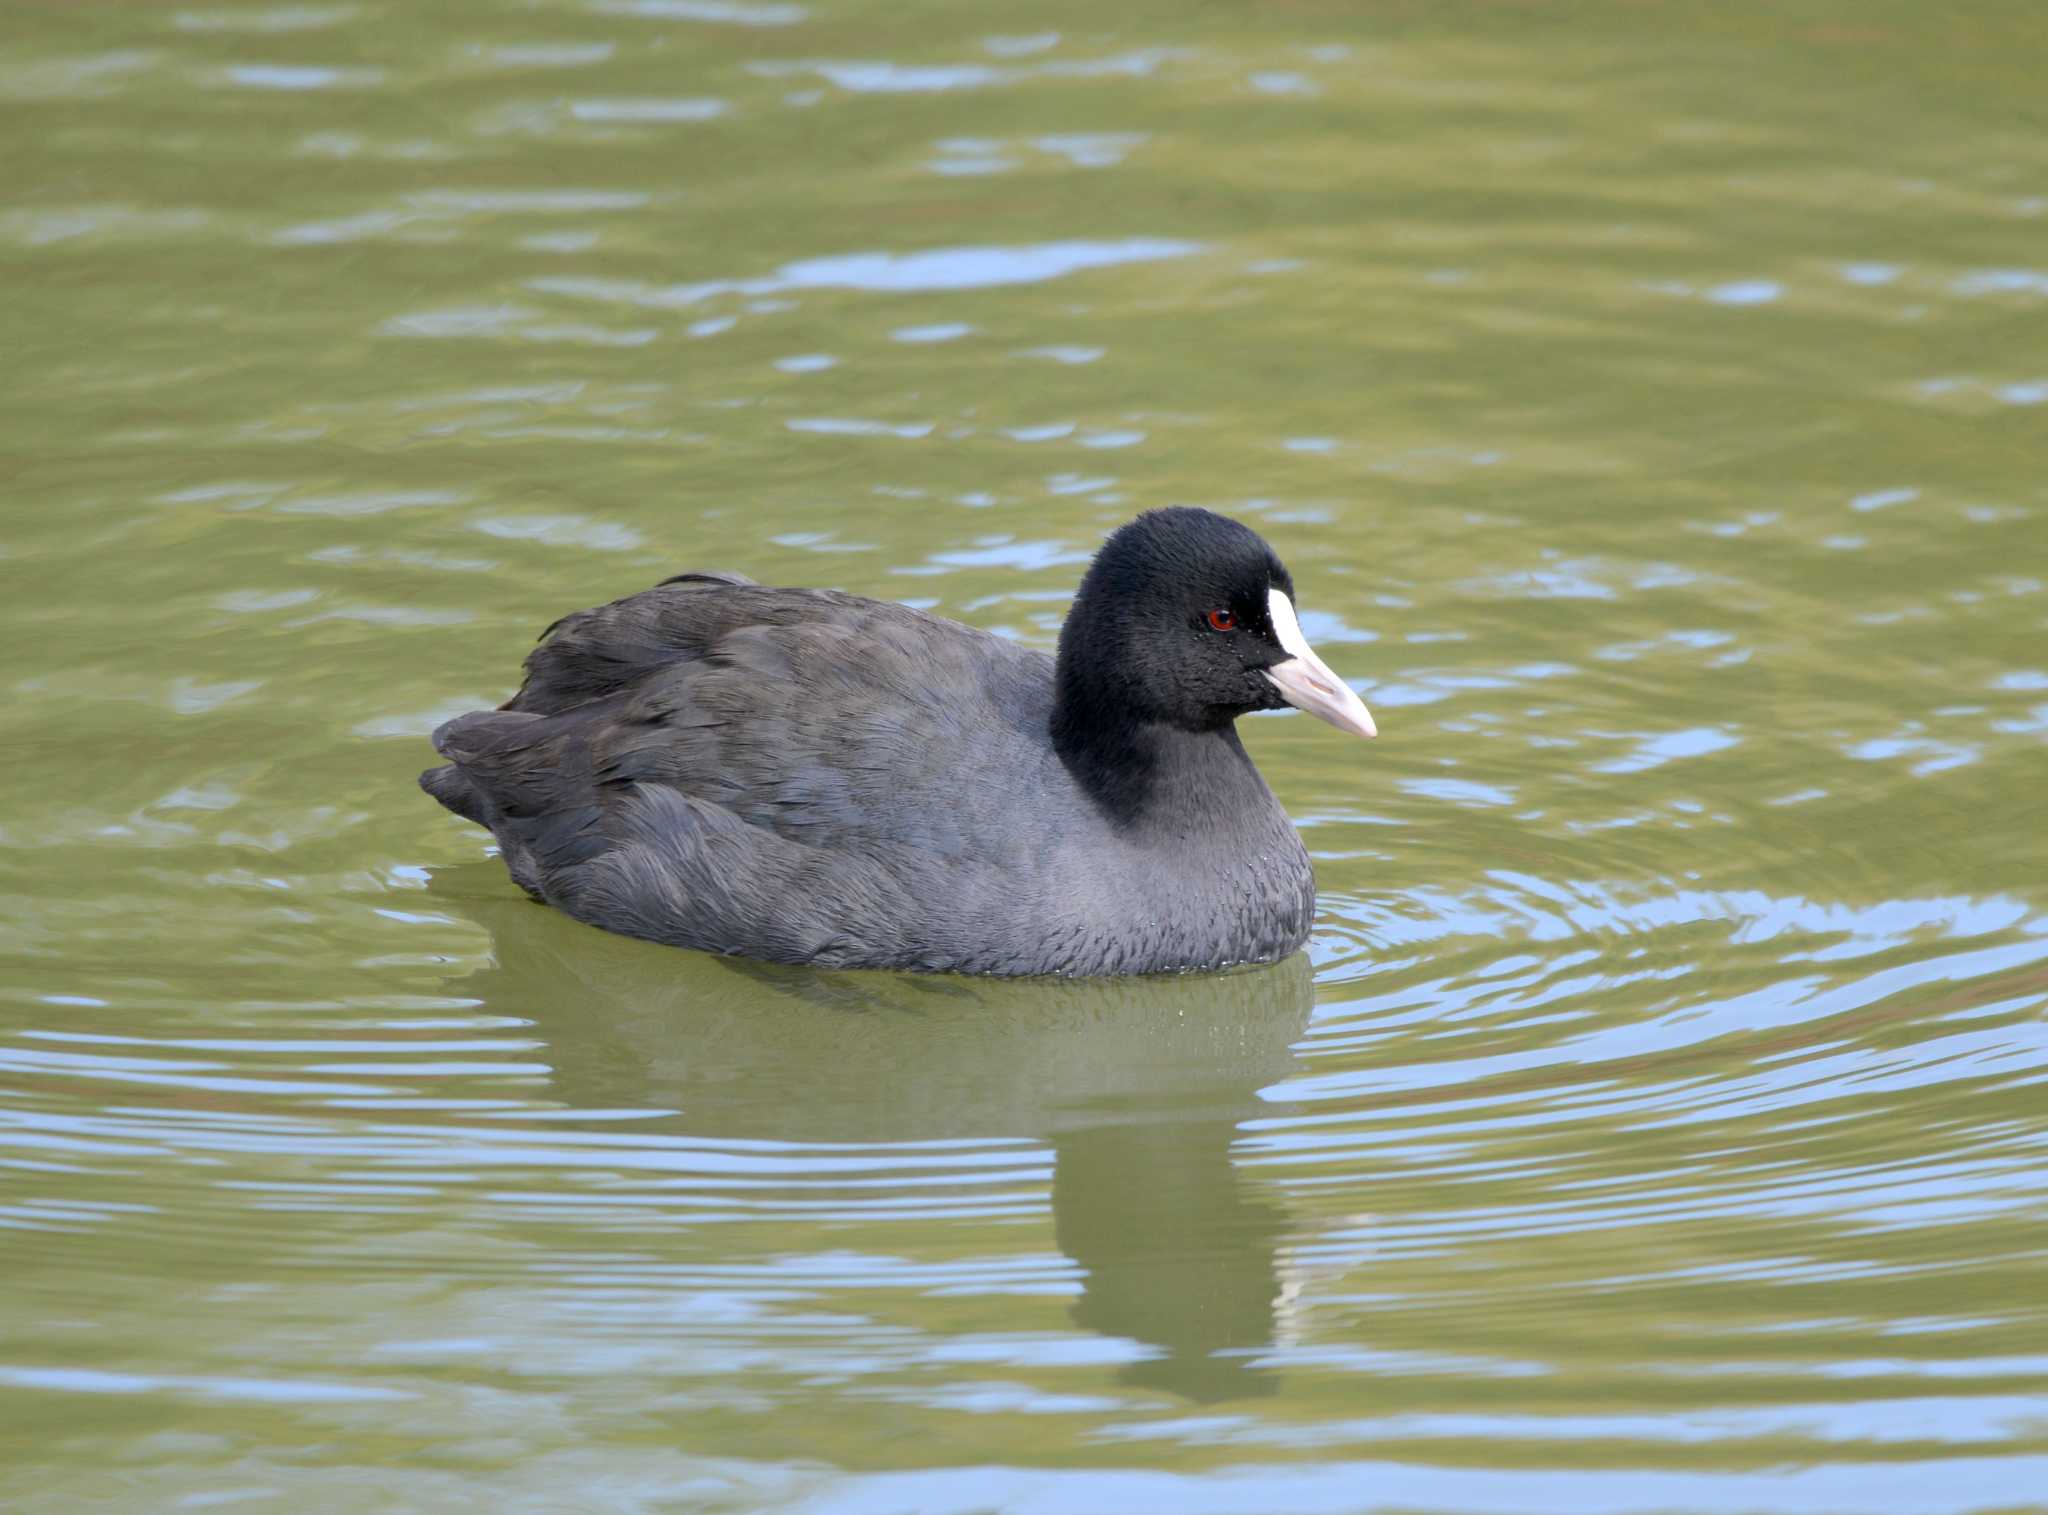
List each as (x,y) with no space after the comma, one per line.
(806,776)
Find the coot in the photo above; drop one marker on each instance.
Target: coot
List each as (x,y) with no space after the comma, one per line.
(806,776)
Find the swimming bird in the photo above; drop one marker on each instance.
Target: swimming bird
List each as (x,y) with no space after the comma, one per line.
(807,776)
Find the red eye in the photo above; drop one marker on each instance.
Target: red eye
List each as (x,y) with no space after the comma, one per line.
(1222,620)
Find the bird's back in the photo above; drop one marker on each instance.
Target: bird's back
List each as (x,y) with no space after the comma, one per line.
(788,773)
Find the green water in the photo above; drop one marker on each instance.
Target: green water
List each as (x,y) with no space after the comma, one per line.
(1652,405)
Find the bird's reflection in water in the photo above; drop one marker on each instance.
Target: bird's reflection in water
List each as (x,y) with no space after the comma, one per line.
(1178,1251)
(1138,1085)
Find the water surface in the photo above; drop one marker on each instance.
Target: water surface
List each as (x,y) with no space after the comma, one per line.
(1651,408)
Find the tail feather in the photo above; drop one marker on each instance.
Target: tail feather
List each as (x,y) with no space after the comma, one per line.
(527,772)
(451,786)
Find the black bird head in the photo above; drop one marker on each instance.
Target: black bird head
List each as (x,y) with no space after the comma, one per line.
(1186,618)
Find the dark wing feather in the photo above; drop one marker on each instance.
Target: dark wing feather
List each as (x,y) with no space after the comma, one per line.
(779,772)
(593,653)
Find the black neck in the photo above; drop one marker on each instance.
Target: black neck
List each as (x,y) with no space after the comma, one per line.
(1141,766)
(1142,772)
